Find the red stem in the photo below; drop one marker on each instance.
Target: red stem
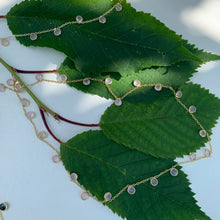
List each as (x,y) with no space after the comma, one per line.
(2,16)
(47,127)
(33,71)
(76,123)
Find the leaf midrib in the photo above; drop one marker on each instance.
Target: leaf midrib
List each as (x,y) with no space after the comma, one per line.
(143,120)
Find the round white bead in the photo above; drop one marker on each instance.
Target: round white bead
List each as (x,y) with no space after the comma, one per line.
(136,83)
(57,32)
(74,176)
(30,115)
(4,42)
(79,19)
(202,133)
(56,158)
(158,87)
(84,196)
(10,82)
(174,172)
(42,134)
(131,190)
(192,109)
(118,102)
(33,36)
(39,77)
(154,182)
(102,20)
(25,102)
(179,94)
(63,78)
(118,7)
(18,87)
(86,82)
(108,81)
(108,196)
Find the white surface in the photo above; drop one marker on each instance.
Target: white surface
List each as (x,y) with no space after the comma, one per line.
(35,187)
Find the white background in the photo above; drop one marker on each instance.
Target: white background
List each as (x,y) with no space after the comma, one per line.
(30,182)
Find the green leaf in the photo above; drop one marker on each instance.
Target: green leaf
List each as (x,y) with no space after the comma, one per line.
(175,75)
(127,43)
(105,166)
(163,128)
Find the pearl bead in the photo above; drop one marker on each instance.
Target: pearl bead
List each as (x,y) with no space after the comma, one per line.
(131,190)
(63,78)
(102,20)
(30,115)
(57,32)
(136,83)
(158,87)
(192,109)
(10,82)
(25,102)
(18,87)
(86,82)
(33,36)
(42,134)
(118,102)
(179,94)
(154,182)
(39,77)
(118,7)
(4,42)
(108,81)
(79,19)
(202,133)
(107,196)
(74,176)
(174,172)
(84,196)
(56,158)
